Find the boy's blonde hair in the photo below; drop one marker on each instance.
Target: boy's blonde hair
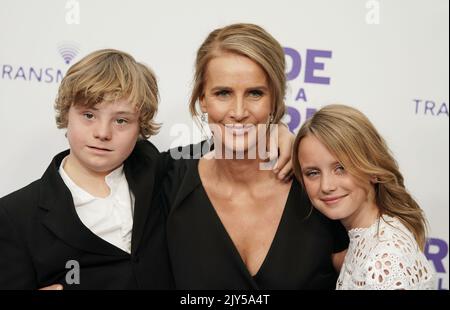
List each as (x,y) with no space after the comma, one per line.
(109,75)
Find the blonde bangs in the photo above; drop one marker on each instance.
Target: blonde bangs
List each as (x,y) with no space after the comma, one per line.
(108,76)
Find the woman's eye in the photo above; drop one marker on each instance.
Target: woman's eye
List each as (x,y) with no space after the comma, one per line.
(256,93)
(222,93)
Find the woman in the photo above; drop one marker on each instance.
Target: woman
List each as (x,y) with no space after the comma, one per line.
(233,225)
(350,175)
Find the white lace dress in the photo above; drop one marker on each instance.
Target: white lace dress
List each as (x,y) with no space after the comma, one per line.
(384,256)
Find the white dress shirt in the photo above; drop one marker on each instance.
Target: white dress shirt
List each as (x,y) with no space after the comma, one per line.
(110,218)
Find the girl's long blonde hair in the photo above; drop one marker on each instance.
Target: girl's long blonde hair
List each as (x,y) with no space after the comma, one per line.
(357,145)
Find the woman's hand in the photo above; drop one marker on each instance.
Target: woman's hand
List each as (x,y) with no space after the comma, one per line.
(283,166)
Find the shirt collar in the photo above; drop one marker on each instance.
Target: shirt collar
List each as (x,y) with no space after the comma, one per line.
(82,197)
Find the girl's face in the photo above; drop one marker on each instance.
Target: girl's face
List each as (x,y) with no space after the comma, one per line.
(331,189)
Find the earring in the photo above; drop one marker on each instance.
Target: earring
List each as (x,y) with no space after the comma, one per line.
(204,117)
(270,118)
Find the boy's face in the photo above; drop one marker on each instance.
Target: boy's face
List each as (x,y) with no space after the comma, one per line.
(102,137)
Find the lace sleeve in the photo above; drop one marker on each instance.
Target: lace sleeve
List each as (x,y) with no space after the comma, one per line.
(390,269)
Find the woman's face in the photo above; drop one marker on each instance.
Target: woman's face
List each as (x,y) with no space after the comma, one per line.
(237,98)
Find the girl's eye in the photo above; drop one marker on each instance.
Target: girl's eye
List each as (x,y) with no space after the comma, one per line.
(88,115)
(311,173)
(340,169)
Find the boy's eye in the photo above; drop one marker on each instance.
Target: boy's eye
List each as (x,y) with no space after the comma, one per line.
(88,115)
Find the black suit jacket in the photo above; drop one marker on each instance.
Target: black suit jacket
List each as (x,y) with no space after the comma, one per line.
(40,233)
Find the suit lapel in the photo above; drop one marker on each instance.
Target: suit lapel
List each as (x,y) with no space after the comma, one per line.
(141,184)
(190,182)
(140,171)
(61,217)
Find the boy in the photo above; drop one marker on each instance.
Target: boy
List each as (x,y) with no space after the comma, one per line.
(74,226)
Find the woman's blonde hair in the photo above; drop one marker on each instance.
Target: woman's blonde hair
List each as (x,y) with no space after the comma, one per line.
(247,40)
(351,137)
(109,75)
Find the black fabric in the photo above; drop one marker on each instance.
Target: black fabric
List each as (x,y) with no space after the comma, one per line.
(203,255)
(40,232)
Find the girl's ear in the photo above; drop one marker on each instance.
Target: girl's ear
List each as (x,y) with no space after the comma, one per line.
(374,179)
(203,104)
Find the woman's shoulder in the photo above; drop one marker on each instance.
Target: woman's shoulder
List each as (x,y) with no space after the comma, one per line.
(309,217)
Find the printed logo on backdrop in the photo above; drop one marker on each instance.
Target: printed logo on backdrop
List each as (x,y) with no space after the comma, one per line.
(436,251)
(303,69)
(430,108)
(66,51)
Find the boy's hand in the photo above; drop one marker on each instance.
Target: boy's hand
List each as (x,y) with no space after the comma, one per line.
(54,287)
(283,167)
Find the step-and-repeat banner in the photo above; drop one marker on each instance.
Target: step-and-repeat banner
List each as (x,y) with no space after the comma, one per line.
(390,59)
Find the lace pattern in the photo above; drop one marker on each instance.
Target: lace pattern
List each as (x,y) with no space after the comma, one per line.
(384,256)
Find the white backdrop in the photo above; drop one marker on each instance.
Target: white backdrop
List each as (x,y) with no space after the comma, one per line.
(387,58)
